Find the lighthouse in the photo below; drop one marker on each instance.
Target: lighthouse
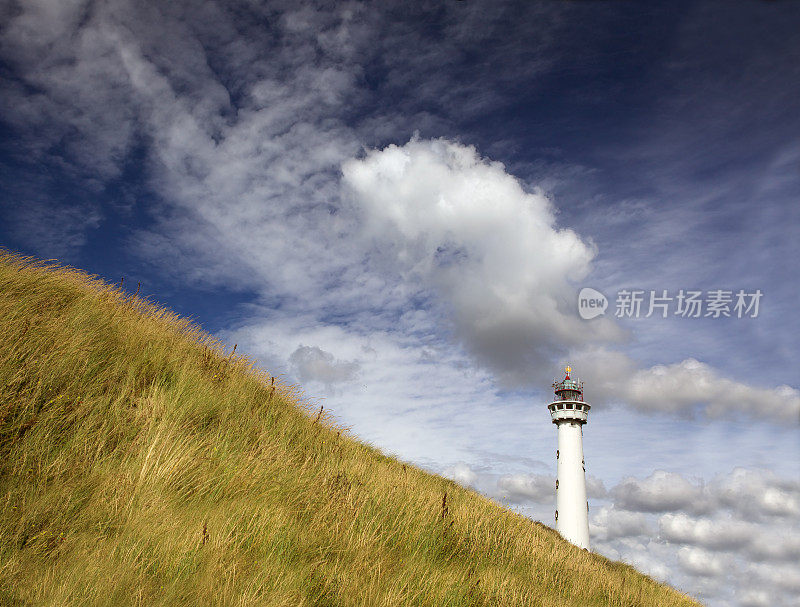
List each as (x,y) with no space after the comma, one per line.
(569,412)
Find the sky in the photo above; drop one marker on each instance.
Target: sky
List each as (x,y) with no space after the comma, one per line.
(396,206)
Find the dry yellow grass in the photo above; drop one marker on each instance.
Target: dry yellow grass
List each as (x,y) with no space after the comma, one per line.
(140,464)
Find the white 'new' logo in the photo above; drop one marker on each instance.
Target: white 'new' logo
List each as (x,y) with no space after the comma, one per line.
(591,303)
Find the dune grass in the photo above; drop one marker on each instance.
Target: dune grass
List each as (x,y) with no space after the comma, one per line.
(141,464)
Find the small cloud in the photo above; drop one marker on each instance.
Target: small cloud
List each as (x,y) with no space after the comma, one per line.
(725,534)
(610,523)
(660,492)
(696,561)
(686,387)
(462,474)
(777,544)
(595,487)
(785,577)
(428,356)
(691,383)
(518,488)
(311,363)
(754,598)
(757,493)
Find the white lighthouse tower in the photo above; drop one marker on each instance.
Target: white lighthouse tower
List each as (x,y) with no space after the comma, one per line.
(569,412)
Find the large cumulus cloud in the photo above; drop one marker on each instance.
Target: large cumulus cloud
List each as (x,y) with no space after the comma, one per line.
(458,224)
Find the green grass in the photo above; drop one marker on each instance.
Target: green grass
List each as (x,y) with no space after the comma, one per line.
(141,464)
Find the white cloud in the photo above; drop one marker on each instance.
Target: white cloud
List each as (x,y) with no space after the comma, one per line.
(776,543)
(784,577)
(62,48)
(648,557)
(595,487)
(452,222)
(758,493)
(610,523)
(462,474)
(689,383)
(700,562)
(754,598)
(518,488)
(685,387)
(660,492)
(712,534)
(749,493)
(311,363)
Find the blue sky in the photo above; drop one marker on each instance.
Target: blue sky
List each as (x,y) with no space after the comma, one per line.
(396,208)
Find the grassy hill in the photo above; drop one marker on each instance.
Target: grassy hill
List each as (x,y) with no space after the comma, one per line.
(140,464)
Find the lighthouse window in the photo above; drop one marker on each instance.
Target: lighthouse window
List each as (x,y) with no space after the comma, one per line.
(556,453)
(556,483)
(556,514)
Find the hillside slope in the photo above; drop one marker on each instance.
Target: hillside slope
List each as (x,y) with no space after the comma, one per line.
(140,464)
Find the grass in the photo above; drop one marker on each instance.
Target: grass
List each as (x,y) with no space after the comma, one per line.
(142,464)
